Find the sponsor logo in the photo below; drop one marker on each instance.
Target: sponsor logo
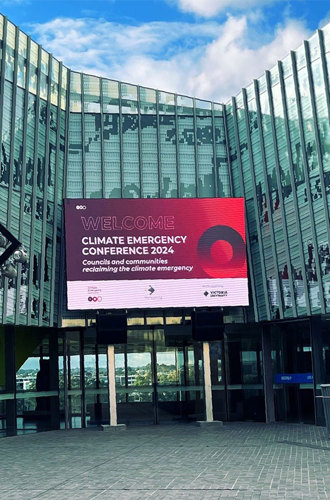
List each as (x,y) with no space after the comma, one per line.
(151,290)
(94,299)
(216,293)
(219,293)
(81,207)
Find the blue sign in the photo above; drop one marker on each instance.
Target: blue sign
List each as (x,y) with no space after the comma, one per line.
(294,378)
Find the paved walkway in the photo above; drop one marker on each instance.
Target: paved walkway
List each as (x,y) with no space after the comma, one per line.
(239,460)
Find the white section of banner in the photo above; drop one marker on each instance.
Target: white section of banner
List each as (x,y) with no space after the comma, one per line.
(128,294)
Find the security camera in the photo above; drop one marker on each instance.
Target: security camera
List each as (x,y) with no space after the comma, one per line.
(20,255)
(9,271)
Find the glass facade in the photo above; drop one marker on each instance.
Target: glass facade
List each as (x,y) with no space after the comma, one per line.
(279,148)
(66,134)
(33,131)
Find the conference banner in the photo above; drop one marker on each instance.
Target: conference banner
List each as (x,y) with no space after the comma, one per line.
(151,253)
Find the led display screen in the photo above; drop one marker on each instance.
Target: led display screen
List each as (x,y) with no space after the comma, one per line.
(151,253)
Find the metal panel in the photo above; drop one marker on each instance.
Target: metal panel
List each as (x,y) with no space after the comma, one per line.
(294,193)
(309,198)
(269,201)
(11,170)
(261,248)
(56,206)
(35,161)
(250,266)
(280,193)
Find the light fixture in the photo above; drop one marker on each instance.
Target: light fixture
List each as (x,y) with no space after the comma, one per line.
(12,252)
(20,255)
(9,271)
(3,241)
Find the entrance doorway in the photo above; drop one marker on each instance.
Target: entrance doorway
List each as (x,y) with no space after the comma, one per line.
(157,382)
(292,358)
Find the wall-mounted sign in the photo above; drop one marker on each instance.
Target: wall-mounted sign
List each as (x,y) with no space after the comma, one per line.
(293,378)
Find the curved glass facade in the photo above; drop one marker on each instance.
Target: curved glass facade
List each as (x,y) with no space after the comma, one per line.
(279,140)
(75,135)
(66,134)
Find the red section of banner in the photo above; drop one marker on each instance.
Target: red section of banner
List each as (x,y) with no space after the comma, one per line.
(145,239)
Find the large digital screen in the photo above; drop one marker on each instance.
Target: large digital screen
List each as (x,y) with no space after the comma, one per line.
(151,253)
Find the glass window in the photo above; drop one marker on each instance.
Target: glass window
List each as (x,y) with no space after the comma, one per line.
(129,102)
(21,63)
(185,105)
(10,58)
(75,92)
(203,107)
(168,152)
(287,66)
(11,32)
(166,103)
(300,57)
(262,84)
(92,150)
(91,94)
(64,87)
(240,101)
(314,47)
(54,81)
(33,68)
(250,92)
(111,147)
(22,44)
(110,93)
(217,108)
(128,91)
(147,101)
(44,62)
(34,54)
(149,156)
(274,75)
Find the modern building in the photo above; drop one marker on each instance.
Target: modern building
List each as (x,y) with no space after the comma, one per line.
(66,134)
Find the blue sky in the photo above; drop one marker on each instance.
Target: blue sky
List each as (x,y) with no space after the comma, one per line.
(206,48)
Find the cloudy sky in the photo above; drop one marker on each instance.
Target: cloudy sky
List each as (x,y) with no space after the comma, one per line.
(206,48)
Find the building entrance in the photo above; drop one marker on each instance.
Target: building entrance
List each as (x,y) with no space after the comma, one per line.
(157,382)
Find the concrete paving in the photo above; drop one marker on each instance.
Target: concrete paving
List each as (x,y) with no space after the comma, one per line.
(239,460)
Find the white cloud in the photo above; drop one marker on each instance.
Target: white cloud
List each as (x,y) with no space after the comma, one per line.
(240,64)
(209,8)
(208,60)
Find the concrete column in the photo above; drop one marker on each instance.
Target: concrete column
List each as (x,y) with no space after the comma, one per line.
(10,374)
(112,393)
(112,385)
(207,382)
(268,375)
(53,378)
(316,332)
(208,422)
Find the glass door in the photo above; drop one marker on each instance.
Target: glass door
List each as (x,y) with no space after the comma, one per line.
(179,388)
(71,375)
(156,382)
(244,375)
(135,378)
(293,372)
